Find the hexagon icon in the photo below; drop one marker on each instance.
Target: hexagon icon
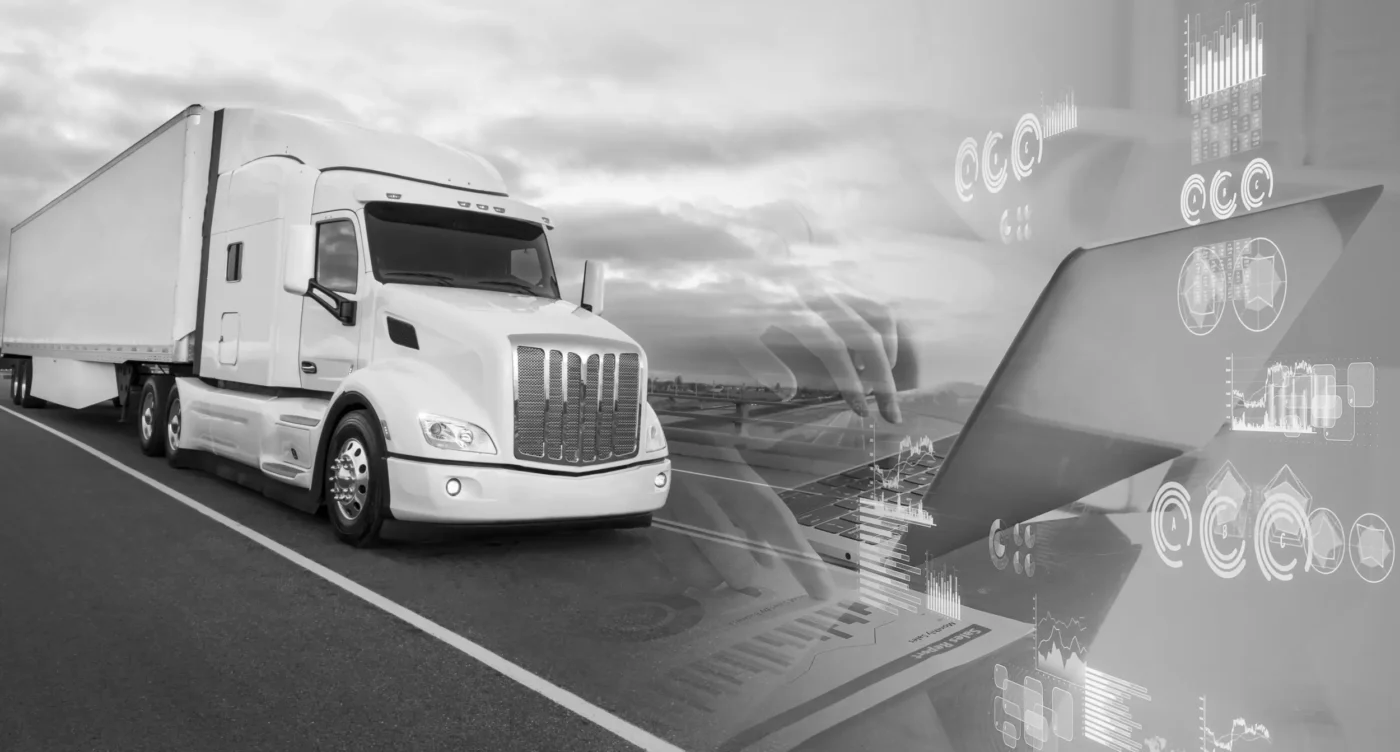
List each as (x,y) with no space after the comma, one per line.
(1229,483)
(1286,484)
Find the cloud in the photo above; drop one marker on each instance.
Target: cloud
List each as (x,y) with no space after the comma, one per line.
(621,58)
(629,145)
(643,238)
(161,92)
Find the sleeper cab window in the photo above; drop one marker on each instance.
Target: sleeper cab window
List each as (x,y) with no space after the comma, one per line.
(337,256)
(233,267)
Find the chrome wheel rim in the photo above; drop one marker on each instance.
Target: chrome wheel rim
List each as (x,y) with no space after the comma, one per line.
(148,416)
(172,427)
(349,479)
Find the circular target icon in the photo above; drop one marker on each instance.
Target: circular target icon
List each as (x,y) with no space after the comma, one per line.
(1281,524)
(1213,516)
(965,169)
(1171,515)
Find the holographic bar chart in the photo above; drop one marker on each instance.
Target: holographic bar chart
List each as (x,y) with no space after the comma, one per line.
(943,598)
(1228,56)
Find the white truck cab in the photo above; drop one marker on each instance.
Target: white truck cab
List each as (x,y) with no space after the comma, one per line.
(377,328)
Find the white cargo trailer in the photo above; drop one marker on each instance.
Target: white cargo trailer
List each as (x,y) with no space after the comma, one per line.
(337,317)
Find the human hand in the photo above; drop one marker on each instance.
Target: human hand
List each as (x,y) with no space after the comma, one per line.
(715,491)
(827,338)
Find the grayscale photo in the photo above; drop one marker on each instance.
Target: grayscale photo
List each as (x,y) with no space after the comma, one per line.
(767,376)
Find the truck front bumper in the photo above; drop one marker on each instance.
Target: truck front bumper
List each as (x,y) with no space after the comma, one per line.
(418,492)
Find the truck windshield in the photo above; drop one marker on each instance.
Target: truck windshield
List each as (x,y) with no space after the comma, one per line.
(429,245)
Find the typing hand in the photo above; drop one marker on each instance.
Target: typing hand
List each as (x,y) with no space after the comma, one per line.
(715,491)
(828,339)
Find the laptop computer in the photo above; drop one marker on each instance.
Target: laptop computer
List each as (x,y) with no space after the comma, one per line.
(1117,369)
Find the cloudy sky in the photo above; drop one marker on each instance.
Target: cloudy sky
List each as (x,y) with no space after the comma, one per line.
(674,140)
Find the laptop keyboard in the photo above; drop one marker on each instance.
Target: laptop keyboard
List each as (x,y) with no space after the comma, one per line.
(832,504)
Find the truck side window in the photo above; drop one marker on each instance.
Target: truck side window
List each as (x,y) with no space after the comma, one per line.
(233,267)
(337,256)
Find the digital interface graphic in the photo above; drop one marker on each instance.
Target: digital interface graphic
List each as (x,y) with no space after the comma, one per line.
(1108,717)
(1371,545)
(1223,196)
(1224,67)
(1171,520)
(941,595)
(1015,226)
(1250,275)
(1301,399)
(1020,712)
(992,160)
(1234,739)
(1013,547)
(886,513)
(1059,116)
(1058,647)
(1279,521)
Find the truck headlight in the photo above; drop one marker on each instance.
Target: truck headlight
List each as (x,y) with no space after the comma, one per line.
(656,438)
(455,435)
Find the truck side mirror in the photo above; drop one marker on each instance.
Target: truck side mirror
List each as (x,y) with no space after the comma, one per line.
(593,274)
(300,259)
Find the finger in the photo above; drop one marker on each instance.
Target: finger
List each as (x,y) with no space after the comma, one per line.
(816,335)
(737,494)
(881,319)
(698,509)
(685,561)
(869,349)
(765,513)
(763,365)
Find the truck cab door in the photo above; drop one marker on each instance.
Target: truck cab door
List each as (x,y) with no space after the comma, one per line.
(330,348)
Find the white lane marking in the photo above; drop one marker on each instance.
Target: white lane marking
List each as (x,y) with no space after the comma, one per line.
(560,696)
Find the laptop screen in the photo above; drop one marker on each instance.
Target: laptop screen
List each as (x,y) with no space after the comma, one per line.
(1127,361)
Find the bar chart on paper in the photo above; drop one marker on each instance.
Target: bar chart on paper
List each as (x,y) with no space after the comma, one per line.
(1227,56)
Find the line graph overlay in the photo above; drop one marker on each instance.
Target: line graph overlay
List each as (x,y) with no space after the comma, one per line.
(1241,732)
(1059,646)
(1298,398)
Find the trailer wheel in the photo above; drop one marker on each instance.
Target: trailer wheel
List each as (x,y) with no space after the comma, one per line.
(357,480)
(173,422)
(26,386)
(14,384)
(150,419)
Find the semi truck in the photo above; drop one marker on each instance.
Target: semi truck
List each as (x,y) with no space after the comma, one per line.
(340,318)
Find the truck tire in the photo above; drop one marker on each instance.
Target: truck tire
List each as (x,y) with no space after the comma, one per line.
(357,480)
(14,385)
(26,386)
(173,424)
(150,416)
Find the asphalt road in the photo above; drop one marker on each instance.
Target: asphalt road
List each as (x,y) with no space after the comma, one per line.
(130,621)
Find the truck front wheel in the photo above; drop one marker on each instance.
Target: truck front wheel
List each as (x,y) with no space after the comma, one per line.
(357,480)
(26,386)
(150,425)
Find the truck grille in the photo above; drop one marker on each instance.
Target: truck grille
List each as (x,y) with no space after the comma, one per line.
(573,409)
